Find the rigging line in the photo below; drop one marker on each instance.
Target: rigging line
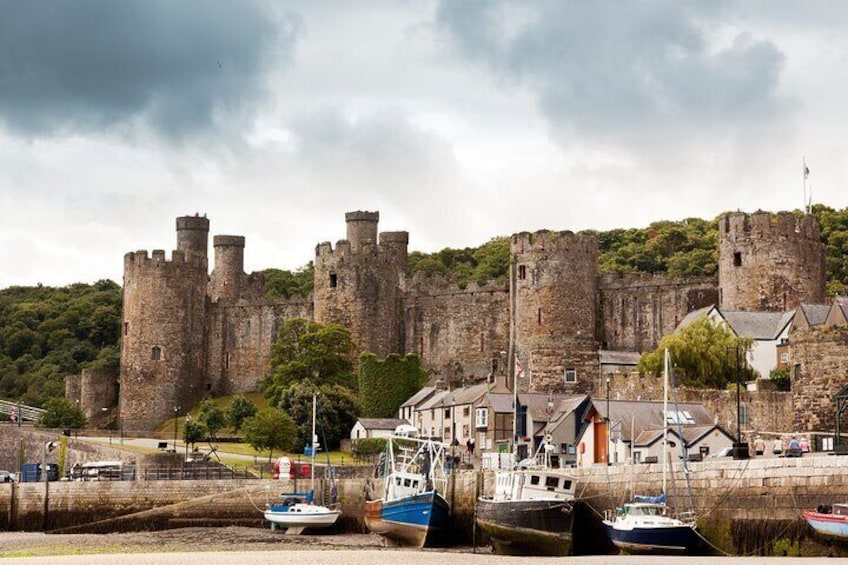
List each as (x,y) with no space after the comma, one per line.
(685,447)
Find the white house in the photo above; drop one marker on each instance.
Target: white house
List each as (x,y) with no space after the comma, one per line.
(375,427)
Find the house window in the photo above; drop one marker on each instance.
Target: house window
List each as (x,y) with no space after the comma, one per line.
(637,456)
(447,413)
(482,420)
(466,431)
(784,357)
(737,259)
(466,411)
(743,414)
(156,354)
(334,281)
(571,375)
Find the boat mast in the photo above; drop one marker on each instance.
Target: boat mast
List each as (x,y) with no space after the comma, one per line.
(312,450)
(666,363)
(511,360)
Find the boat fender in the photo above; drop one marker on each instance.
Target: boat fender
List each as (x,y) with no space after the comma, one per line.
(304,471)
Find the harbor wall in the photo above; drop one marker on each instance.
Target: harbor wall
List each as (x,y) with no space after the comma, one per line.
(742,506)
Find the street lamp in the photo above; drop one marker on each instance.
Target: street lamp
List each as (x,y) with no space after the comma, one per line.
(176,411)
(740,450)
(609,428)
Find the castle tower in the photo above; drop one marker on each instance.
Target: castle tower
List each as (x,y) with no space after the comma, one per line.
(554,291)
(357,284)
(227,276)
(164,325)
(769,262)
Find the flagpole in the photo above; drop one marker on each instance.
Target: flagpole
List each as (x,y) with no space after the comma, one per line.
(805,173)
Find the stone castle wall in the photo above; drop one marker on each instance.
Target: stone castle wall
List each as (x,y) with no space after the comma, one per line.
(459,334)
(770,262)
(637,310)
(820,356)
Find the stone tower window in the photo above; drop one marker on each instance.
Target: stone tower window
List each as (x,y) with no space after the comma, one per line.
(126,328)
(334,281)
(156,354)
(522,272)
(539,317)
(571,375)
(737,259)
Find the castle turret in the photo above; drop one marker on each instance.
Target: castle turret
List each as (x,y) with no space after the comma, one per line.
(357,284)
(554,290)
(770,262)
(164,326)
(193,235)
(228,274)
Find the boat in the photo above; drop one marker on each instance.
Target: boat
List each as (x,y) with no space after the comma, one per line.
(531,510)
(297,511)
(408,508)
(646,524)
(830,521)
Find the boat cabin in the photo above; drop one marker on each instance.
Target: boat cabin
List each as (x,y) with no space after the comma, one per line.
(533,484)
(401,485)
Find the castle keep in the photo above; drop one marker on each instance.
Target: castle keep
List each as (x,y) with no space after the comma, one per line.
(189,334)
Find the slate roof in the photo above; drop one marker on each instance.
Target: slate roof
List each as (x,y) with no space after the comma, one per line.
(464,395)
(694,316)
(691,434)
(419,396)
(636,415)
(381,423)
(814,314)
(501,403)
(758,325)
(433,401)
(618,357)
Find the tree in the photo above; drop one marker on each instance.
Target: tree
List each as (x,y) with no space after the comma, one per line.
(336,414)
(305,350)
(385,384)
(212,417)
(240,410)
(703,354)
(62,413)
(193,431)
(270,429)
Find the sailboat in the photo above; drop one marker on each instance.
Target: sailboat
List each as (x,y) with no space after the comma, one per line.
(409,508)
(646,525)
(298,511)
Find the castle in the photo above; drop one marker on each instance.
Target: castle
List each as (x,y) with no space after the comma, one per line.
(188,334)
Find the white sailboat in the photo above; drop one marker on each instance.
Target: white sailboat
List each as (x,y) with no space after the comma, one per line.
(297,511)
(646,525)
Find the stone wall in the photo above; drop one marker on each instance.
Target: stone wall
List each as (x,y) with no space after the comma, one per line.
(767,411)
(458,333)
(636,311)
(821,371)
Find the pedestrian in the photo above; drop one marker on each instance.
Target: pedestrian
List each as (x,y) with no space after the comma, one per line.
(759,446)
(804,444)
(777,447)
(794,449)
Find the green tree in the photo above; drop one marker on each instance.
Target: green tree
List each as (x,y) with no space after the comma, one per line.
(336,413)
(240,409)
(62,413)
(270,429)
(285,284)
(305,350)
(212,417)
(385,384)
(193,431)
(703,355)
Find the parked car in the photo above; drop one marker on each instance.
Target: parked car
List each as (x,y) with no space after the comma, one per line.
(7,477)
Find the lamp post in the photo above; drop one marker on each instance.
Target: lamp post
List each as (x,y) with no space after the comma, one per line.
(176,411)
(608,420)
(105,412)
(740,450)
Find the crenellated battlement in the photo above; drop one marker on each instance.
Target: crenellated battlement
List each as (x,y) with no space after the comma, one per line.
(394,238)
(438,284)
(767,225)
(552,241)
(157,259)
(325,251)
(228,241)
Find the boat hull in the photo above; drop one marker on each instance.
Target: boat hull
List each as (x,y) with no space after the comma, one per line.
(662,540)
(409,521)
(833,526)
(301,516)
(527,527)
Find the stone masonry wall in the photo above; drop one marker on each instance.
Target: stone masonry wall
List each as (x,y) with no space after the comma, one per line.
(768,411)
(636,311)
(458,333)
(821,371)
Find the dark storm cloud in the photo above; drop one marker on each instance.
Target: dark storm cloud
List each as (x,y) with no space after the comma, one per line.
(613,68)
(176,67)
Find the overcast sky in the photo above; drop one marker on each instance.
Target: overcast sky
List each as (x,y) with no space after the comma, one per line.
(458,120)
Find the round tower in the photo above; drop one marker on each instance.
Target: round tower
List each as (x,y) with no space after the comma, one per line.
(554,289)
(361,229)
(227,276)
(770,262)
(193,235)
(164,329)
